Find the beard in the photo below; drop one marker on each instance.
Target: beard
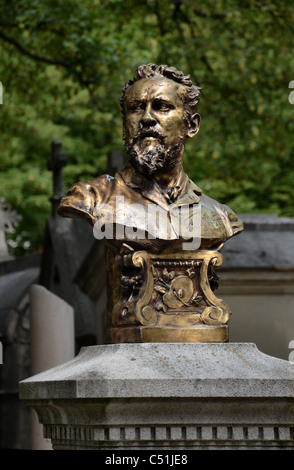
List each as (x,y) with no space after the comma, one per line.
(154,158)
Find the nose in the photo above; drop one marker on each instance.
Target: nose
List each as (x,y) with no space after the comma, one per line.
(147,118)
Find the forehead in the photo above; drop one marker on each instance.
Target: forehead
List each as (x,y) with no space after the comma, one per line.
(156,88)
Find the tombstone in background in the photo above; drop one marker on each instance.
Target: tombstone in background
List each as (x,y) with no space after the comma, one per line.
(66,244)
(164,384)
(16,276)
(68,250)
(257,281)
(52,343)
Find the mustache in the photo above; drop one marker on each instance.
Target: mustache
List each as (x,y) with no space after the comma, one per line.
(148,132)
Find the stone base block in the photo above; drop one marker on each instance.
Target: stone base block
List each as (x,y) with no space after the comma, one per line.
(166,396)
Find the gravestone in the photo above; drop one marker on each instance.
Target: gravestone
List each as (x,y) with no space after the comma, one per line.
(52,342)
(16,276)
(66,244)
(257,281)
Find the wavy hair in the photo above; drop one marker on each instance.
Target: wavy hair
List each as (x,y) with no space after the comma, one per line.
(191,97)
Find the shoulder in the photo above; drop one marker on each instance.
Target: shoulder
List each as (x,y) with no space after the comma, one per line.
(219,222)
(82,197)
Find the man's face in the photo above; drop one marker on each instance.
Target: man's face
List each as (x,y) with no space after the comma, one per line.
(154,123)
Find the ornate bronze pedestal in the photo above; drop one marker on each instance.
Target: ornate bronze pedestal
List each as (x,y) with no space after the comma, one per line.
(165,298)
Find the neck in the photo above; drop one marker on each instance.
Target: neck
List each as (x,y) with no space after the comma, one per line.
(166,180)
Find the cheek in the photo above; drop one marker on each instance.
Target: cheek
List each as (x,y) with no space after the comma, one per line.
(131,127)
(174,127)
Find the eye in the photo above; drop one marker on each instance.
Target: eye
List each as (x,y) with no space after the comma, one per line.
(136,106)
(162,106)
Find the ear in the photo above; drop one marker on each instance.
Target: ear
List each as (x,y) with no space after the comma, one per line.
(194,125)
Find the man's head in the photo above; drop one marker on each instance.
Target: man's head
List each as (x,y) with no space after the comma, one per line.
(159,107)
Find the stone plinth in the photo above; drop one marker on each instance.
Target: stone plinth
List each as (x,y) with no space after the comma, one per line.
(166,396)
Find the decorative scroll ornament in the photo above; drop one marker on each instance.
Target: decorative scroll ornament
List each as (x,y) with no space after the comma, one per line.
(172,291)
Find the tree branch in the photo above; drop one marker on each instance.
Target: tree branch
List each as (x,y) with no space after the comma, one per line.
(159,19)
(42,23)
(45,60)
(217,16)
(32,55)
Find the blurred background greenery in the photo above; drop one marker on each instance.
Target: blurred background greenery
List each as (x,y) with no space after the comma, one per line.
(63,65)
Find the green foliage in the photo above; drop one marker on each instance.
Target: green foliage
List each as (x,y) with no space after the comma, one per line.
(63,65)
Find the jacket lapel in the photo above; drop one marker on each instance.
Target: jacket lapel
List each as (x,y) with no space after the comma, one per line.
(189,192)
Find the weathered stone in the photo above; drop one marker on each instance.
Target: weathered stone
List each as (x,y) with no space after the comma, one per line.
(52,342)
(16,276)
(257,282)
(265,243)
(51,328)
(67,242)
(176,396)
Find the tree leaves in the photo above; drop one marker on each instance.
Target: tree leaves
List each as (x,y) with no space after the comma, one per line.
(63,65)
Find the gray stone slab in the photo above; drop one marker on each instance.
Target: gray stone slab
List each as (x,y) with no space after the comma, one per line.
(166,396)
(267,242)
(165,370)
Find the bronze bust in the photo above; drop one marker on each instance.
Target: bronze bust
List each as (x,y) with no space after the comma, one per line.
(162,234)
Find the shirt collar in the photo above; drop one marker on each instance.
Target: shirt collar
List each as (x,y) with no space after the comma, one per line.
(184,190)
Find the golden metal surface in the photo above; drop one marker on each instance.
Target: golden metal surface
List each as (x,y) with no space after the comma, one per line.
(204,334)
(157,288)
(175,293)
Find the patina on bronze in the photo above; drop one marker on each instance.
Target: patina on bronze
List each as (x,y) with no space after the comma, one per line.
(159,287)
